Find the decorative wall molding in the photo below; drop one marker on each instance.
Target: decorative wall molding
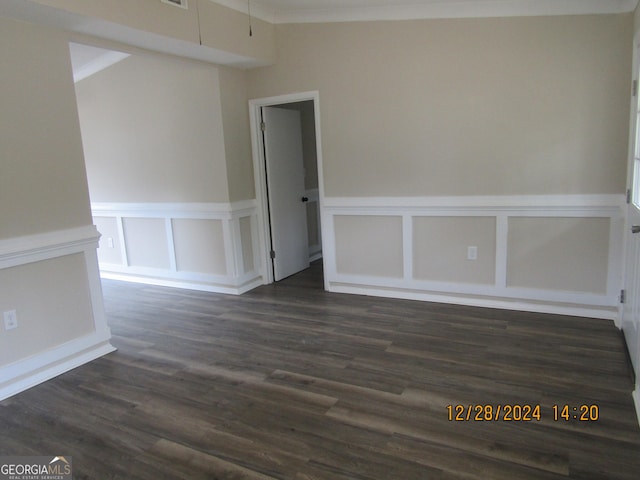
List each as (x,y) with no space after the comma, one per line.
(34,248)
(14,252)
(211,211)
(526,205)
(32,371)
(236,281)
(498,294)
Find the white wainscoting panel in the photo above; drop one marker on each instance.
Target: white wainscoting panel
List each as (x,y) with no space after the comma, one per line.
(15,252)
(500,294)
(236,280)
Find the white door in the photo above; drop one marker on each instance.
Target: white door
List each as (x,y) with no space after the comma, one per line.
(631,306)
(285,184)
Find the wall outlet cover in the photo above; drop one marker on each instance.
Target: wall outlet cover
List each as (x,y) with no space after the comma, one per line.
(10,320)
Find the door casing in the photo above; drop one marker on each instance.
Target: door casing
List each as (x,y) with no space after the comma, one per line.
(260,175)
(630,270)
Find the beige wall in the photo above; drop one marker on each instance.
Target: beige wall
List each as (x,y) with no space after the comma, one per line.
(43,189)
(146,242)
(440,249)
(532,105)
(369,245)
(152,132)
(247,244)
(199,246)
(53,304)
(42,178)
(237,140)
(110,248)
(559,253)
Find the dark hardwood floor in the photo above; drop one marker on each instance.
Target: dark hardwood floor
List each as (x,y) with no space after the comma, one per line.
(291,382)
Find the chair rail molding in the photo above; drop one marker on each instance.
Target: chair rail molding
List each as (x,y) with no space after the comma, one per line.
(499,294)
(18,251)
(236,280)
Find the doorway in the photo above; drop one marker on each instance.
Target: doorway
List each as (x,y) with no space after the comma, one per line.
(280,191)
(631,292)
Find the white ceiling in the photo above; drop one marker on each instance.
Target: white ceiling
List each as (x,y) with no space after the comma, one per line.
(301,11)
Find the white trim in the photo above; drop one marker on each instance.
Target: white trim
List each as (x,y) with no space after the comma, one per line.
(211,211)
(484,290)
(27,373)
(23,374)
(33,248)
(250,283)
(411,10)
(504,304)
(497,294)
(559,205)
(260,175)
(235,281)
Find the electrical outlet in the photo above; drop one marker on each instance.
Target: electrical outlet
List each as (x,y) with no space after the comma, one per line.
(472,253)
(10,320)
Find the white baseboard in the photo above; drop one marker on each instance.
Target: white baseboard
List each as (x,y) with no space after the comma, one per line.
(572,299)
(28,372)
(32,371)
(606,313)
(235,280)
(245,286)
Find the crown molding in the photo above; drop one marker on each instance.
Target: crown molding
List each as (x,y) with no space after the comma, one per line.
(434,9)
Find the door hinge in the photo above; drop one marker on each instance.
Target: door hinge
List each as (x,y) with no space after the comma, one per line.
(628,196)
(272,253)
(263,126)
(635,88)
(623,296)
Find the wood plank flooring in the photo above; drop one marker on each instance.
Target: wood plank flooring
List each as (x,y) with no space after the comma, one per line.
(291,382)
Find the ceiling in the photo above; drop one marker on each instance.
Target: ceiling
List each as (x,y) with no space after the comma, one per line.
(301,11)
